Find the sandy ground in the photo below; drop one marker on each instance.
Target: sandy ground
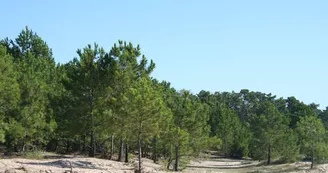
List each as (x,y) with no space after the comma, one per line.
(222,165)
(213,164)
(79,165)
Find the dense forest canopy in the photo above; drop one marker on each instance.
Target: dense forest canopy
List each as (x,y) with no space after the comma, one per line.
(105,102)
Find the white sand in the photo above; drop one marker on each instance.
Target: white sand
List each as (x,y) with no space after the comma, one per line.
(93,165)
(80,165)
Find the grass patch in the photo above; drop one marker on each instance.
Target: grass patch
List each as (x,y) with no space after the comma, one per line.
(37,155)
(183,162)
(257,171)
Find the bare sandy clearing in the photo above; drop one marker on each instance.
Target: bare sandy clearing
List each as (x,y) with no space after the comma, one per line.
(94,165)
(91,165)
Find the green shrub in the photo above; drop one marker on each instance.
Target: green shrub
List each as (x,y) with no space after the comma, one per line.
(33,155)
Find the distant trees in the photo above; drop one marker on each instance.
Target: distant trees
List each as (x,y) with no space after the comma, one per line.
(228,127)
(260,126)
(102,103)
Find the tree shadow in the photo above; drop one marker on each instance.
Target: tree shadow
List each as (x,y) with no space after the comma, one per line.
(65,164)
(224,166)
(57,157)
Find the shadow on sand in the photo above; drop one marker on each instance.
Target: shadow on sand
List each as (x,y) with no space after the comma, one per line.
(65,164)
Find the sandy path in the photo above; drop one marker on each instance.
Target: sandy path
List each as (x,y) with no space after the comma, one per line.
(217,164)
(214,164)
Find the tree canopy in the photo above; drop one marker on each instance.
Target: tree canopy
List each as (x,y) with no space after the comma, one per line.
(106,102)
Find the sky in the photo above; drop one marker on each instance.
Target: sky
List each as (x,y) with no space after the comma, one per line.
(271,46)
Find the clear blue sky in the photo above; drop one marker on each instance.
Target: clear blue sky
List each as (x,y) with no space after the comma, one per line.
(277,46)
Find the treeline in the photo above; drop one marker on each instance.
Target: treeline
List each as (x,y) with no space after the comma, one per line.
(107,103)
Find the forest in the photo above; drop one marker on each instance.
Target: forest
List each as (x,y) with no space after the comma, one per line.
(105,103)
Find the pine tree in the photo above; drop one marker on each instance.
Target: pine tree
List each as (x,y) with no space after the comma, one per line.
(228,122)
(311,131)
(9,91)
(125,69)
(268,129)
(33,123)
(147,110)
(189,127)
(86,86)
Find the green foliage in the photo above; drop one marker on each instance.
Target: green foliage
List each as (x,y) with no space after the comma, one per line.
(289,147)
(214,143)
(228,122)
(242,139)
(147,108)
(36,155)
(312,134)
(297,110)
(268,129)
(189,127)
(80,105)
(15,133)
(35,69)
(85,85)
(9,90)
(321,152)
(235,136)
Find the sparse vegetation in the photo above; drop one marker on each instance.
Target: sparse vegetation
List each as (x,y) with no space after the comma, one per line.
(33,155)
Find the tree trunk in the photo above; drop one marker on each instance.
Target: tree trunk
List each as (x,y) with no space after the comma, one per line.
(67,146)
(176,166)
(169,163)
(92,135)
(120,154)
(112,148)
(126,152)
(225,147)
(92,144)
(139,151)
(84,144)
(24,140)
(56,146)
(312,159)
(269,154)
(154,150)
